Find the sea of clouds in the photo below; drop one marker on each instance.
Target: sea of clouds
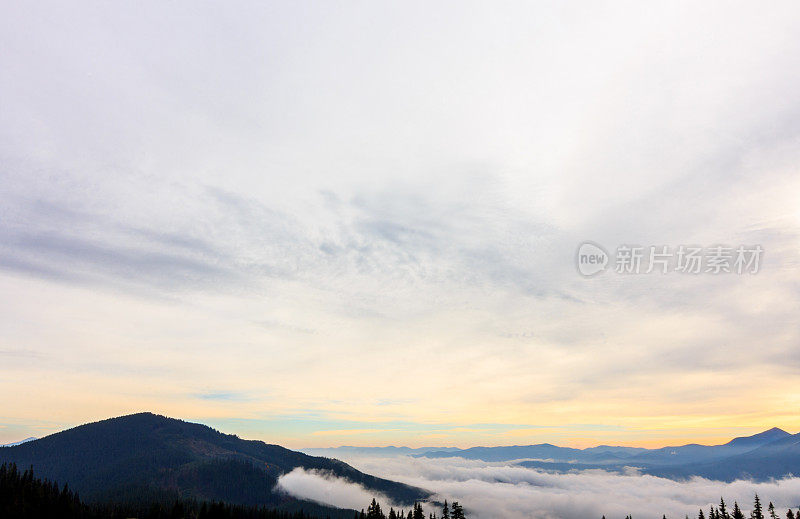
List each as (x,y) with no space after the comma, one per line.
(502,490)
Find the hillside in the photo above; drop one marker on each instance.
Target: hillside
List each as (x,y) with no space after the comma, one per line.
(145,454)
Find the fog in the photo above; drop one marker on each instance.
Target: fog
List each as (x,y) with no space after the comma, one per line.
(501,490)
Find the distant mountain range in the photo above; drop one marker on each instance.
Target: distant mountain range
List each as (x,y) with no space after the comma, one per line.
(771,454)
(19,442)
(158,458)
(378,452)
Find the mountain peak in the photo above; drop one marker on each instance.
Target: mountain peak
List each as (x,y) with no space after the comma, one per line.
(113,456)
(764,437)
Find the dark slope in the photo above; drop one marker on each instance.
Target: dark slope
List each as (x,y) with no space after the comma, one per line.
(126,457)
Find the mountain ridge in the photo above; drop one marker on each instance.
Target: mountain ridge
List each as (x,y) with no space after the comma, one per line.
(147,454)
(597,453)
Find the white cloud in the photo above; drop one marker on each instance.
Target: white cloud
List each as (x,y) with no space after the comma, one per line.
(324,488)
(497,490)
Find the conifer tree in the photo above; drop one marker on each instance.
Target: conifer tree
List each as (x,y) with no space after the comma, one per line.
(446,511)
(771,509)
(757,512)
(737,512)
(457,511)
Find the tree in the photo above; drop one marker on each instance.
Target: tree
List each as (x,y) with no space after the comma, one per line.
(374,510)
(446,511)
(457,511)
(701,515)
(722,512)
(771,509)
(737,512)
(757,512)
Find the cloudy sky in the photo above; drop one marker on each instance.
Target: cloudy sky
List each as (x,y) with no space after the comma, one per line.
(326,223)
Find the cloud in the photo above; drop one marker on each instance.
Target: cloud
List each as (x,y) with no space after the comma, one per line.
(324,488)
(223,395)
(499,491)
(410,191)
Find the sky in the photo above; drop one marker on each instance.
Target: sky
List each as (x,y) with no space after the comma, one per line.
(356,223)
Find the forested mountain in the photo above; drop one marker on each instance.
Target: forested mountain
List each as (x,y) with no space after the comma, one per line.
(23,495)
(123,459)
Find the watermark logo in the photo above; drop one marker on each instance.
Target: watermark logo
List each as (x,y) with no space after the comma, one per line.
(592,259)
(683,259)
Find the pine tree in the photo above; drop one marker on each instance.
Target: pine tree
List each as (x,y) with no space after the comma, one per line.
(701,515)
(374,510)
(789,514)
(758,512)
(446,511)
(771,509)
(737,512)
(457,511)
(722,512)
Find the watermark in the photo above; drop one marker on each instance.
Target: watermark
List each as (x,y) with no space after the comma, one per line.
(592,259)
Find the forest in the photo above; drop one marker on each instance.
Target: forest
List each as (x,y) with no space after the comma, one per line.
(23,496)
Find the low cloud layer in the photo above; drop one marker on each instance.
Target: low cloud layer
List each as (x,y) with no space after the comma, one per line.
(324,488)
(497,490)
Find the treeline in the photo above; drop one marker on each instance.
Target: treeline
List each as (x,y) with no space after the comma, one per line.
(23,496)
(723,512)
(374,511)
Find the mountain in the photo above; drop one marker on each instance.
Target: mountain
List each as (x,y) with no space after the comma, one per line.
(378,452)
(611,454)
(513,452)
(759,439)
(145,454)
(543,452)
(770,454)
(693,453)
(19,442)
(766,460)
